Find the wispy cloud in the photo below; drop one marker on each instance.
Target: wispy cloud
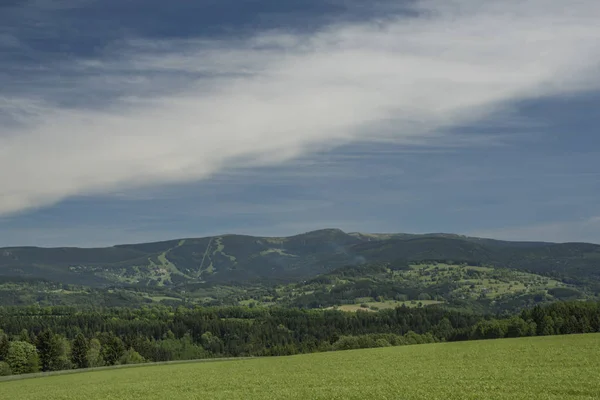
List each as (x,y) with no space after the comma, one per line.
(184,110)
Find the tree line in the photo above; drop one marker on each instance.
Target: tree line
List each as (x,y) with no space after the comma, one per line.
(56,338)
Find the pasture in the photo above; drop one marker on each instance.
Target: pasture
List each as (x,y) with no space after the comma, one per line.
(388,304)
(553,367)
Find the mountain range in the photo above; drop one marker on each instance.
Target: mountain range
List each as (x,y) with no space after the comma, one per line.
(240,259)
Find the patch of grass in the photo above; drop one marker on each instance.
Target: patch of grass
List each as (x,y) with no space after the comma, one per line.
(386,304)
(160,298)
(220,248)
(477,281)
(554,368)
(257,303)
(210,269)
(63,291)
(281,252)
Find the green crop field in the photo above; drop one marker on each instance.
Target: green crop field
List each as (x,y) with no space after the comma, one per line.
(555,367)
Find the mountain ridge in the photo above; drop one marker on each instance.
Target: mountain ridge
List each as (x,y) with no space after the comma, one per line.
(363,235)
(245,258)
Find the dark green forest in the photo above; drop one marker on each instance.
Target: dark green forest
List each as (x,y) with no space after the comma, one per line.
(56,338)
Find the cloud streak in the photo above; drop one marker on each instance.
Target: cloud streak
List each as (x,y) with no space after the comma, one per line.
(182,110)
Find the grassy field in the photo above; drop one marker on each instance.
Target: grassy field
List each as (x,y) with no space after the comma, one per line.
(385,305)
(557,367)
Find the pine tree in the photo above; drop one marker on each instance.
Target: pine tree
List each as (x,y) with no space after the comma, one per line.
(112,348)
(79,352)
(4,343)
(49,350)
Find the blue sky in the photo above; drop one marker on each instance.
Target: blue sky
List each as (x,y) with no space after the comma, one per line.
(145,120)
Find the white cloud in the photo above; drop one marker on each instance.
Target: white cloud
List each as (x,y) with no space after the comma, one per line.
(273,97)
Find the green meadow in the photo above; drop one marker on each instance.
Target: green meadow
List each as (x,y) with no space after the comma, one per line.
(552,367)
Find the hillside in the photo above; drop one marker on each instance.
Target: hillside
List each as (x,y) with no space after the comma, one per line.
(554,367)
(378,286)
(241,259)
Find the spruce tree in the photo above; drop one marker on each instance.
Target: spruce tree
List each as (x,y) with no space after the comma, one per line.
(79,352)
(3,346)
(49,350)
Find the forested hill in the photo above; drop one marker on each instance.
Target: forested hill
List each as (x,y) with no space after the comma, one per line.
(244,259)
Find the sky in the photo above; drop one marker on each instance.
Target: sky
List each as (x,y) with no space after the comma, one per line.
(134,121)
